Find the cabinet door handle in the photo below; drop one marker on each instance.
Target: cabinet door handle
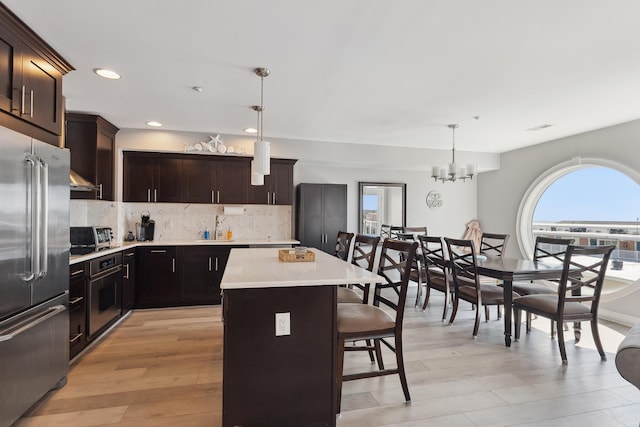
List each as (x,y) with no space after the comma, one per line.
(99,191)
(173,264)
(75,338)
(213,199)
(209,263)
(274,198)
(75,273)
(216,263)
(31,113)
(22,105)
(129,254)
(126,266)
(155,194)
(268,196)
(148,194)
(218,199)
(75,300)
(158,251)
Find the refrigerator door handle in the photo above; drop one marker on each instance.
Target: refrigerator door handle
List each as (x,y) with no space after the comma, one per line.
(34,247)
(36,319)
(44,219)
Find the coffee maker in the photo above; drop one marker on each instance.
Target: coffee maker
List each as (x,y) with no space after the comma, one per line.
(145,228)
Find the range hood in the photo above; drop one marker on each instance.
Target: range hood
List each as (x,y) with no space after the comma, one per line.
(79,183)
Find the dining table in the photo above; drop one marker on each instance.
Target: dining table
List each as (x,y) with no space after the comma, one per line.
(508,270)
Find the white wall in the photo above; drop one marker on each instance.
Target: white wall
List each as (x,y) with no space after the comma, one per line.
(329,162)
(501,191)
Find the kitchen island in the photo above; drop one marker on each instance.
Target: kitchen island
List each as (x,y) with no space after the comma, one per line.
(279,363)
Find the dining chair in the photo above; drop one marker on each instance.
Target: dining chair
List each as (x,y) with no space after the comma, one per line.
(467,285)
(436,268)
(493,244)
(547,250)
(380,320)
(415,230)
(584,266)
(385,231)
(343,245)
(364,254)
(418,274)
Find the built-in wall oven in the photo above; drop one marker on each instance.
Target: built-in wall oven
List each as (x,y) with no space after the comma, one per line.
(105,284)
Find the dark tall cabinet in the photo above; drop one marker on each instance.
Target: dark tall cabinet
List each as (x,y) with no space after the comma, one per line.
(321,211)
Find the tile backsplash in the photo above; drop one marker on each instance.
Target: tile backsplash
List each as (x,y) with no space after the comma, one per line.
(182,221)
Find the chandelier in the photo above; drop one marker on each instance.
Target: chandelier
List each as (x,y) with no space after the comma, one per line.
(452,172)
(261,164)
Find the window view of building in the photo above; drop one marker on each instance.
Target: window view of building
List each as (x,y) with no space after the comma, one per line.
(595,206)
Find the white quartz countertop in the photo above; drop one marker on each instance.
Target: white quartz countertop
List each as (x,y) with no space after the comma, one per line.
(127,245)
(261,268)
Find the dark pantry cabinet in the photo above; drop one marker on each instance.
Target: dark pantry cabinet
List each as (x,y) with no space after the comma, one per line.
(128,280)
(321,211)
(77,308)
(91,140)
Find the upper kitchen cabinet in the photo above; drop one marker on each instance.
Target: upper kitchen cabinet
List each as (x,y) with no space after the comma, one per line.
(215,179)
(278,186)
(30,81)
(151,177)
(91,140)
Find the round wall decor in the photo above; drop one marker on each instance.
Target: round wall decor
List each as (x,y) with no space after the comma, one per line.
(434,199)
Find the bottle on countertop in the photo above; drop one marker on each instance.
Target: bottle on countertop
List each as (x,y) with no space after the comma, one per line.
(206,234)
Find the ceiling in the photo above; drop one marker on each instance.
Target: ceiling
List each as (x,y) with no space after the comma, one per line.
(354,71)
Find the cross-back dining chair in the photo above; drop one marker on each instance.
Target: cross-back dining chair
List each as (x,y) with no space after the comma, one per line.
(493,244)
(548,250)
(364,254)
(583,267)
(381,320)
(467,285)
(436,268)
(343,245)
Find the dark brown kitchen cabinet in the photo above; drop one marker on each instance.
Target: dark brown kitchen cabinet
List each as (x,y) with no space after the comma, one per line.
(77,308)
(30,81)
(91,140)
(151,177)
(128,280)
(321,211)
(156,280)
(278,186)
(200,271)
(214,180)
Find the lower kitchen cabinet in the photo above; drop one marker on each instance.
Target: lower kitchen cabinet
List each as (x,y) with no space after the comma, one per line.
(185,275)
(128,280)
(77,308)
(200,271)
(156,278)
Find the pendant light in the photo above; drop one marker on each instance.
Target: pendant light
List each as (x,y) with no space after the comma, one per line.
(256,178)
(261,148)
(452,172)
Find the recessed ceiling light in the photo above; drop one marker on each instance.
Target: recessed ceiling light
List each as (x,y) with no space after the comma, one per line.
(535,128)
(198,89)
(107,74)
(154,124)
(251,130)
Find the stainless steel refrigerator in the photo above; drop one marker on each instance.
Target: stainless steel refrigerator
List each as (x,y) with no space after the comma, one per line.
(34,271)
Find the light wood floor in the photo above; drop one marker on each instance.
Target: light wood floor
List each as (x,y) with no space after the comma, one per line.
(164,368)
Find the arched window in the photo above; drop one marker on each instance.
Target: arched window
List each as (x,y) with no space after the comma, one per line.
(594,201)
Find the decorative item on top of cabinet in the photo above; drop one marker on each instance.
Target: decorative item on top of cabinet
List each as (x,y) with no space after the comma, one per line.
(321,212)
(30,81)
(278,186)
(91,140)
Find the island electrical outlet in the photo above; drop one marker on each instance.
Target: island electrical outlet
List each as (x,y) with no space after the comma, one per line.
(283,324)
